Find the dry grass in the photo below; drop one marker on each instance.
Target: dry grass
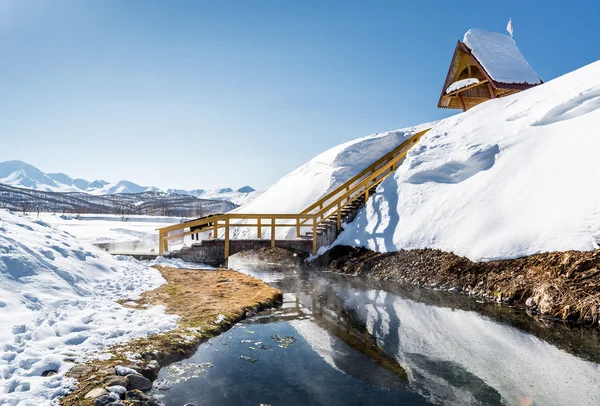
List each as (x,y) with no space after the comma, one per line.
(198,297)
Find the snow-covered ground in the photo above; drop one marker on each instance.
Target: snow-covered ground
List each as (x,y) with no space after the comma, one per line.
(137,234)
(509,178)
(57,302)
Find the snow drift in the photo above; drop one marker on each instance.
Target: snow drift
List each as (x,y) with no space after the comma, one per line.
(511,177)
(57,304)
(322,174)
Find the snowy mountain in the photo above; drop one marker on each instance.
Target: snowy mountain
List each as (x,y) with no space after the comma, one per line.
(240,196)
(24,175)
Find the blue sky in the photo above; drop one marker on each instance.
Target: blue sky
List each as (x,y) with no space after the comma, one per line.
(206,94)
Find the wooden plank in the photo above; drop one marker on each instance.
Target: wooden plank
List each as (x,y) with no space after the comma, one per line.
(459,91)
(492,91)
(259,232)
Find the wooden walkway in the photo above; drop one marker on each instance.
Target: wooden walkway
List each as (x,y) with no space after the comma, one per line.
(318,221)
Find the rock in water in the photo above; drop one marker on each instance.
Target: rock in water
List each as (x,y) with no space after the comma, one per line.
(138,382)
(142,398)
(96,393)
(108,400)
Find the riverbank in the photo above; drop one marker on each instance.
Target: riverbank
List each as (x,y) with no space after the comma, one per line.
(208,303)
(557,285)
(561,285)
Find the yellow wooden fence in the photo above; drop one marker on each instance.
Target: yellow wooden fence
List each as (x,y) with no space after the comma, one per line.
(328,207)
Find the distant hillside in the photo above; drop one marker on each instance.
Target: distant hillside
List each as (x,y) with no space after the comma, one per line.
(23,175)
(149,203)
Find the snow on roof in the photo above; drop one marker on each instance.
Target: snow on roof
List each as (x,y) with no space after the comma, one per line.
(459,84)
(500,57)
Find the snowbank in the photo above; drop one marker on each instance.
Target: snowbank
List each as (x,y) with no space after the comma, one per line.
(500,57)
(57,303)
(511,177)
(137,234)
(313,180)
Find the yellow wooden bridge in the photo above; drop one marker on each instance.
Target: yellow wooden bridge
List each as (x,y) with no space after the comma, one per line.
(322,218)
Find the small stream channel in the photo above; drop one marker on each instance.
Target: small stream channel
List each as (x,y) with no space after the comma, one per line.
(341,340)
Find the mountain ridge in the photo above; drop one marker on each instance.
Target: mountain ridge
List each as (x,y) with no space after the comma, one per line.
(22,174)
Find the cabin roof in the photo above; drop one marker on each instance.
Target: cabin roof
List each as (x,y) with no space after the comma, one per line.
(499,55)
(491,59)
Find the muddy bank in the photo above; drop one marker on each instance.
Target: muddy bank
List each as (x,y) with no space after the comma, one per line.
(208,302)
(563,285)
(275,255)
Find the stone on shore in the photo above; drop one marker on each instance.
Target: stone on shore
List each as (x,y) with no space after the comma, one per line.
(138,382)
(96,393)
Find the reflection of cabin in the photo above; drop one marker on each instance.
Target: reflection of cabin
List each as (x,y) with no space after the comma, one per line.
(485,65)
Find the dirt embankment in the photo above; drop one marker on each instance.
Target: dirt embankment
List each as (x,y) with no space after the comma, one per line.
(275,255)
(564,285)
(208,302)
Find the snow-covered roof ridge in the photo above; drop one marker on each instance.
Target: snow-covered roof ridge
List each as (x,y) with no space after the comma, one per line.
(500,57)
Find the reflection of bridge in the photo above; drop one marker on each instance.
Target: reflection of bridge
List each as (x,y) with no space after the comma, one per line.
(331,320)
(316,226)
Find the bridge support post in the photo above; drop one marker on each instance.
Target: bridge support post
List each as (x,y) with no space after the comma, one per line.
(161,249)
(226,253)
(314,247)
(339,217)
(216,230)
(259,232)
(273,232)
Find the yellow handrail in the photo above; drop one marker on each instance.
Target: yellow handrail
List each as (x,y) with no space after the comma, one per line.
(342,196)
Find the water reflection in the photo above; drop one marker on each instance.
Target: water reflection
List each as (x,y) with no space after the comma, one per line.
(385,340)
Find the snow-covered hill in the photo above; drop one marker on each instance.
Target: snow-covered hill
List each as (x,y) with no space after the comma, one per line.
(511,177)
(313,180)
(22,174)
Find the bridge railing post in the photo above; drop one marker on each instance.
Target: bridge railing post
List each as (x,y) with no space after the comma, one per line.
(226,253)
(314,245)
(161,235)
(272,231)
(259,232)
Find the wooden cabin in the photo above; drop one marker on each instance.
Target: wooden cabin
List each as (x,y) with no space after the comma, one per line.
(485,65)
